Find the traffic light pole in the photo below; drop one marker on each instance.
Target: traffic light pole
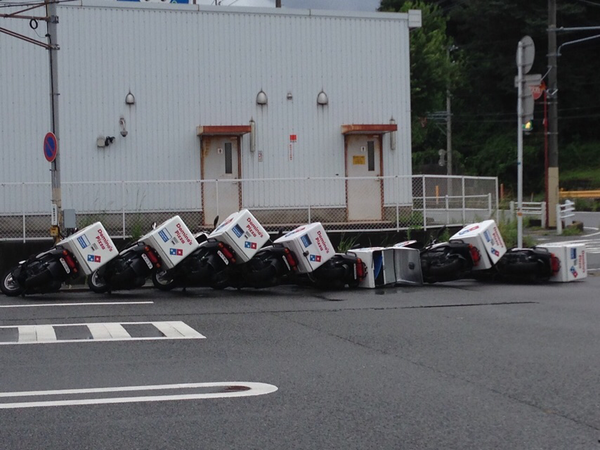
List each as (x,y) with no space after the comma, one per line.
(552,175)
(520,92)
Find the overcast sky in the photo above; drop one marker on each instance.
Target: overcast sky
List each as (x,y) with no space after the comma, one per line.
(347,5)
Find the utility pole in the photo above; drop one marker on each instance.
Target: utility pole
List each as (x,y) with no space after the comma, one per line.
(448,133)
(553,178)
(54,93)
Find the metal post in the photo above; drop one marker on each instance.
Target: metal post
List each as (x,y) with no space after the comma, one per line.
(447,210)
(558,220)
(489,204)
(397,194)
(54,93)
(123,205)
(464,219)
(424,205)
(23,210)
(520,83)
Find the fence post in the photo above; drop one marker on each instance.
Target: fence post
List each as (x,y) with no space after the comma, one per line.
(464,198)
(397,194)
(490,205)
(307,181)
(23,211)
(123,207)
(424,204)
(447,210)
(512,209)
(558,220)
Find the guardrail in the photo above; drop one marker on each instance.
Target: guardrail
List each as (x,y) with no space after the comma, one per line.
(580,194)
(566,212)
(531,209)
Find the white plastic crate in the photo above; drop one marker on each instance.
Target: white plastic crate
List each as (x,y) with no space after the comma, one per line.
(172,240)
(243,233)
(573,261)
(310,244)
(486,237)
(381,270)
(92,246)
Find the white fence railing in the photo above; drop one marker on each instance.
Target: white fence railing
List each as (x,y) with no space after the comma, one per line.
(128,208)
(537,209)
(564,212)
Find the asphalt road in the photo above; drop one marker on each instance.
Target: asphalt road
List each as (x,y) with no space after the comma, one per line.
(461,365)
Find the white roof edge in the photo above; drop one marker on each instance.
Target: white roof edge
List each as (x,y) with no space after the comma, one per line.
(242,10)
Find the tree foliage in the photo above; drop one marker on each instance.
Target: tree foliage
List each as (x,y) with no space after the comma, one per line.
(487,32)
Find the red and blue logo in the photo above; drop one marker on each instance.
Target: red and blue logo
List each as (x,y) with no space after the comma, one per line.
(251,245)
(315,258)
(94,258)
(176,252)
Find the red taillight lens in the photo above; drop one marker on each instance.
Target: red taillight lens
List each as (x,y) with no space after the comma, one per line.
(475,255)
(70,261)
(291,259)
(152,256)
(226,252)
(554,263)
(360,269)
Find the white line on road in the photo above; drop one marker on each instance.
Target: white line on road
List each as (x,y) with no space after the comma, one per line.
(230,389)
(38,305)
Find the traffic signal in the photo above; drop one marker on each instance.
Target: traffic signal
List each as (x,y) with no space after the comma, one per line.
(528,126)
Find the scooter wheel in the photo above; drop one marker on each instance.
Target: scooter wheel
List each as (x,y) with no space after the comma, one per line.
(10,286)
(163,281)
(96,283)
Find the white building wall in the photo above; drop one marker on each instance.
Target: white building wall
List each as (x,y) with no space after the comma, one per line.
(191,65)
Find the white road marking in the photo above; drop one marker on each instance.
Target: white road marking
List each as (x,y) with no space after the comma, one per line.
(101,332)
(230,389)
(41,305)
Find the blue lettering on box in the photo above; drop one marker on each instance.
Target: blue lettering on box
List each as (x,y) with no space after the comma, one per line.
(306,240)
(573,253)
(237,230)
(164,235)
(83,241)
(487,236)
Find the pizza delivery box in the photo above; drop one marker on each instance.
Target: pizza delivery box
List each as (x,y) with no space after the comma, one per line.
(380,266)
(486,237)
(92,246)
(310,244)
(573,261)
(173,241)
(407,263)
(243,233)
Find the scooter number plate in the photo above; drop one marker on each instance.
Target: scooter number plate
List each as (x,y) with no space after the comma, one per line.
(147,261)
(65,265)
(223,257)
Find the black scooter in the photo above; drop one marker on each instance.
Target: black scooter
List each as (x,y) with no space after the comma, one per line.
(340,271)
(40,274)
(526,265)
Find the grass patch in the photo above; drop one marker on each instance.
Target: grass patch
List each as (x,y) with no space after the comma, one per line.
(509,232)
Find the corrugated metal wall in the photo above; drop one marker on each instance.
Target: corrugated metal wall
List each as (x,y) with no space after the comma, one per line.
(190,66)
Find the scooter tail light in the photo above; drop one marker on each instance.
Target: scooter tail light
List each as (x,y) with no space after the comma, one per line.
(226,252)
(70,261)
(360,269)
(475,255)
(290,258)
(554,264)
(152,256)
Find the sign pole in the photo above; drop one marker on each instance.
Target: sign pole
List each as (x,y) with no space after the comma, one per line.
(54,165)
(520,82)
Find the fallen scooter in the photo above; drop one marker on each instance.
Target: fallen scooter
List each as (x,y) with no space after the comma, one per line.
(165,246)
(340,271)
(82,252)
(526,265)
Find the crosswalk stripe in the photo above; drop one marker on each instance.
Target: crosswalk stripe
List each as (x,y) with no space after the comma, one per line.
(45,334)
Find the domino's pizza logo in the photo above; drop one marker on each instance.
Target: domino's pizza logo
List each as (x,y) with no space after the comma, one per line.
(574,272)
(176,252)
(94,258)
(251,245)
(493,251)
(315,258)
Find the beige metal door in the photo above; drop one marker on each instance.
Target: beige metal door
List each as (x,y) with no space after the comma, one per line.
(220,162)
(363,188)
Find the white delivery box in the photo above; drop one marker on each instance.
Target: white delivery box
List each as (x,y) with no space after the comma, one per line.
(407,263)
(573,261)
(92,246)
(380,264)
(486,237)
(310,244)
(243,233)
(172,240)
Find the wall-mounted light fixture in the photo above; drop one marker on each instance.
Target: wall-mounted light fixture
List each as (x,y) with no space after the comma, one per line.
(103,141)
(322,98)
(393,135)
(261,98)
(252,135)
(290,96)
(122,126)
(130,99)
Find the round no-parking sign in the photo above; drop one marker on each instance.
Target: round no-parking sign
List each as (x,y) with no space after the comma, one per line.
(50,147)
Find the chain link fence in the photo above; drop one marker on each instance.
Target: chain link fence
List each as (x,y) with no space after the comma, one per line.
(129,208)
